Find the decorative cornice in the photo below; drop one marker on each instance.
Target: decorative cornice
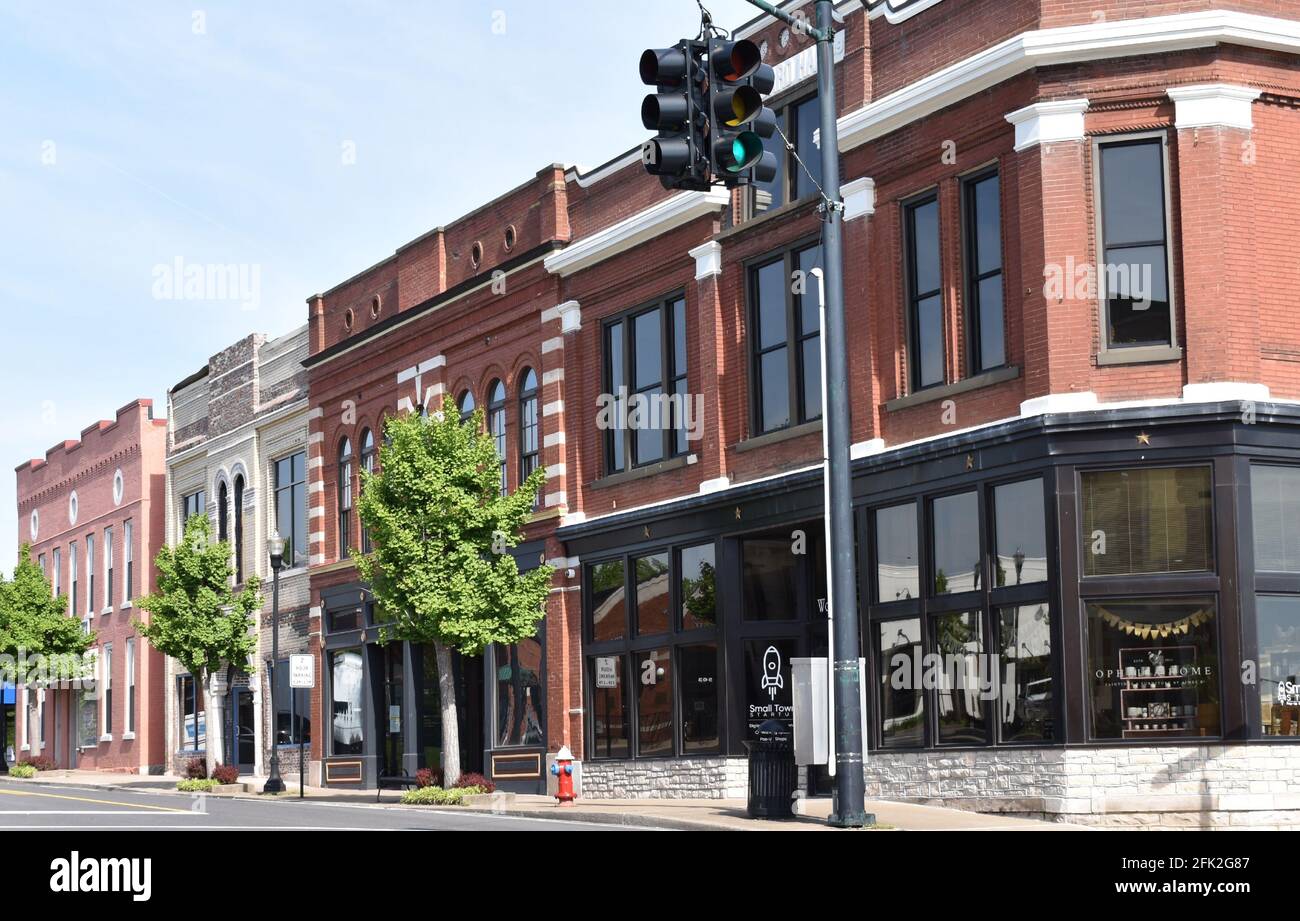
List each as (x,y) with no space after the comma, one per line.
(708,260)
(643,226)
(859,198)
(1213,105)
(1049,122)
(1064,45)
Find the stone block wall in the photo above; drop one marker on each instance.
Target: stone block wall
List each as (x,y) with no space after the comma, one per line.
(682,778)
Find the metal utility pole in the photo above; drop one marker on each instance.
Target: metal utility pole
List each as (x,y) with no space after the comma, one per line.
(850,784)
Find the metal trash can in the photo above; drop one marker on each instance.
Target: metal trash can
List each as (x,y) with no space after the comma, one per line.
(773,774)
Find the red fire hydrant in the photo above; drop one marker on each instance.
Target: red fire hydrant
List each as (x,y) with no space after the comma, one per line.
(562,769)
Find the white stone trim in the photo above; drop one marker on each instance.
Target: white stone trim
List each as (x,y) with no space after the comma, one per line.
(553,409)
(867,448)
(315,463)
(1059,403)
(552,345)
(555,471)
(1213,105)
(1049,122)
(708,260)
(316,538)
(317,559)
(641,227)
(1063,45)
(554,440)
(315,487)
(318,413)
(437,361)
(405,405)
(554,376)
(570,317)
(317,512)
(557,499)
(859,198)
(718,485)
(1226,392)
(316,438)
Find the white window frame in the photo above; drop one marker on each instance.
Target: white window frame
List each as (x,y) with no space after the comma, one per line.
(128,557)
(129,727)
(1106,355)
(108,570)
(106,685)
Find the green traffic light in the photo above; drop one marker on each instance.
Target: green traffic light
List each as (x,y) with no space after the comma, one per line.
(746,150)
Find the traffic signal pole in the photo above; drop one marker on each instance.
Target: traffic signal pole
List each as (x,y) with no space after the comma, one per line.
(850,784)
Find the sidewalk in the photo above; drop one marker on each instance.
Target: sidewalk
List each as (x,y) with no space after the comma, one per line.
(697,815)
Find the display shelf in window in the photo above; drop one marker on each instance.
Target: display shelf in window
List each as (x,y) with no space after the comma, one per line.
(1156,699)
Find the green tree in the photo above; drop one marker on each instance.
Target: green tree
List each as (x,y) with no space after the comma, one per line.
(441,572)
(196,617)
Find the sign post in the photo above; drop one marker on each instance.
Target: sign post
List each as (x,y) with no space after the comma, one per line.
(302,674)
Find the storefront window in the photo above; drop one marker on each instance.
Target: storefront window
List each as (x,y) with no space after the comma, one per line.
(902,698)
(520,696)
(87,719)
(1147,521)
(610,730)
(1021,534)
(699,588)
(1278,620)
(956,544)
(1026,703)
(963,680)
(1153,665)
(769,685)
(342,620)
(345,685)
(771,580)
(608,602)
(1275,500)
(655,703)
(653,587)
(292,709)
(898,569)
(699,684)
(194,723)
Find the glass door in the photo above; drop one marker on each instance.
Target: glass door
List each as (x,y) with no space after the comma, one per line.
(394,675)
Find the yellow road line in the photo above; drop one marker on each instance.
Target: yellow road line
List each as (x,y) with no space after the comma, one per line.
(86,799)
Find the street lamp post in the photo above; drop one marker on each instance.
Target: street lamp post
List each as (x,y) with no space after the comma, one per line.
(273,782)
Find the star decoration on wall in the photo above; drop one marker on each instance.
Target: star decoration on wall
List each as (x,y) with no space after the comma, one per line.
(1144,439)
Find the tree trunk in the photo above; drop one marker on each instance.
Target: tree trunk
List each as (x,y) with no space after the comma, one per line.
(212,714)
(450,725)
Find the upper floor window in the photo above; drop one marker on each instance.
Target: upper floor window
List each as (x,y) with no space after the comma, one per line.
(90,573)
(367,466)
(291,507)
(108,568)
(529,425)
(497,425)
(1133,230)
(57,578)
(984,293)
(223,513)
(345,497)
(128,560)
(466,405)
(926,355)
(239,530)
(800,122)
(645,386)
(1147,520)
(194,504)
(786,343)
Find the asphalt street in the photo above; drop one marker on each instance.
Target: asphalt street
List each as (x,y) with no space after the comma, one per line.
(71,808)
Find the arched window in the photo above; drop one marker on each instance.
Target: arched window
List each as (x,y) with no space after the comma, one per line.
(345,498)
(223,513)
(368,465)
(497,424)
(239,530)
(529,425)
(467,405)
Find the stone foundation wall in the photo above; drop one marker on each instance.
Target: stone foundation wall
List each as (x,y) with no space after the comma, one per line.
(1199,786)
(679,778)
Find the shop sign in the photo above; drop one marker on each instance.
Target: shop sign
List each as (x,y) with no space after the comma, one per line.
(607,672)
(769,683)
(1288,694)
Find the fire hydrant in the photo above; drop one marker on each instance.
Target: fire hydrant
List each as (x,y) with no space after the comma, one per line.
(562,770)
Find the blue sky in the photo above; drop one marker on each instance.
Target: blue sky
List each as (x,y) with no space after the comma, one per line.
(306,139)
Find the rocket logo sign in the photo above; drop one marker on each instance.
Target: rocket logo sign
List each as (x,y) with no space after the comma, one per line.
(772,680)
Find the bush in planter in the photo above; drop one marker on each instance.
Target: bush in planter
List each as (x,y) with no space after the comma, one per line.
(197,786)
(476,782)
(23,770)
(436,796)
(196,769)
(42,763)
(426,777)
(225,774)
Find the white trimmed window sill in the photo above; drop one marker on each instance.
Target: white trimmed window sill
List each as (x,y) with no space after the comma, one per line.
(126,605)
(106,737)
(25,748)
(128,736)
(107,611)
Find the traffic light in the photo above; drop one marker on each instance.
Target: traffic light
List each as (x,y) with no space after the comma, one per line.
(679,154)
(741,121)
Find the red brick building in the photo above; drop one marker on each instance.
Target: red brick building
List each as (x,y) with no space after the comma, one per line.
(92,511)
(1073,360)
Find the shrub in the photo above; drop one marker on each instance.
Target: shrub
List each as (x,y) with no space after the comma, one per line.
(196,786)
(434,796)
(476,782)
(42,763)
(23,770)
(225,774)
(426,777)
(196,769)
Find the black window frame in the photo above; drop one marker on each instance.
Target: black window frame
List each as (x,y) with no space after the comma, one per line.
(530,424)
(499,426)
(669,377)
(290,537)
(369,451)
(239,529)
(344,501)
(795,335)
(1143,351)
(972,276)
(627,649)
(196,503)
(788,170)
(297,715)
(913,297)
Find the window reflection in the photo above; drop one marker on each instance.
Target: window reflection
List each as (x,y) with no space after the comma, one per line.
(963,679)
(898,575)
(957,544)
(520,695)
(345,686)
(1025,697)
(902,699)
(1021,534)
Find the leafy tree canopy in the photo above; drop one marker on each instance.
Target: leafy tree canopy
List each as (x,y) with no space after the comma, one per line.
(32,619)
